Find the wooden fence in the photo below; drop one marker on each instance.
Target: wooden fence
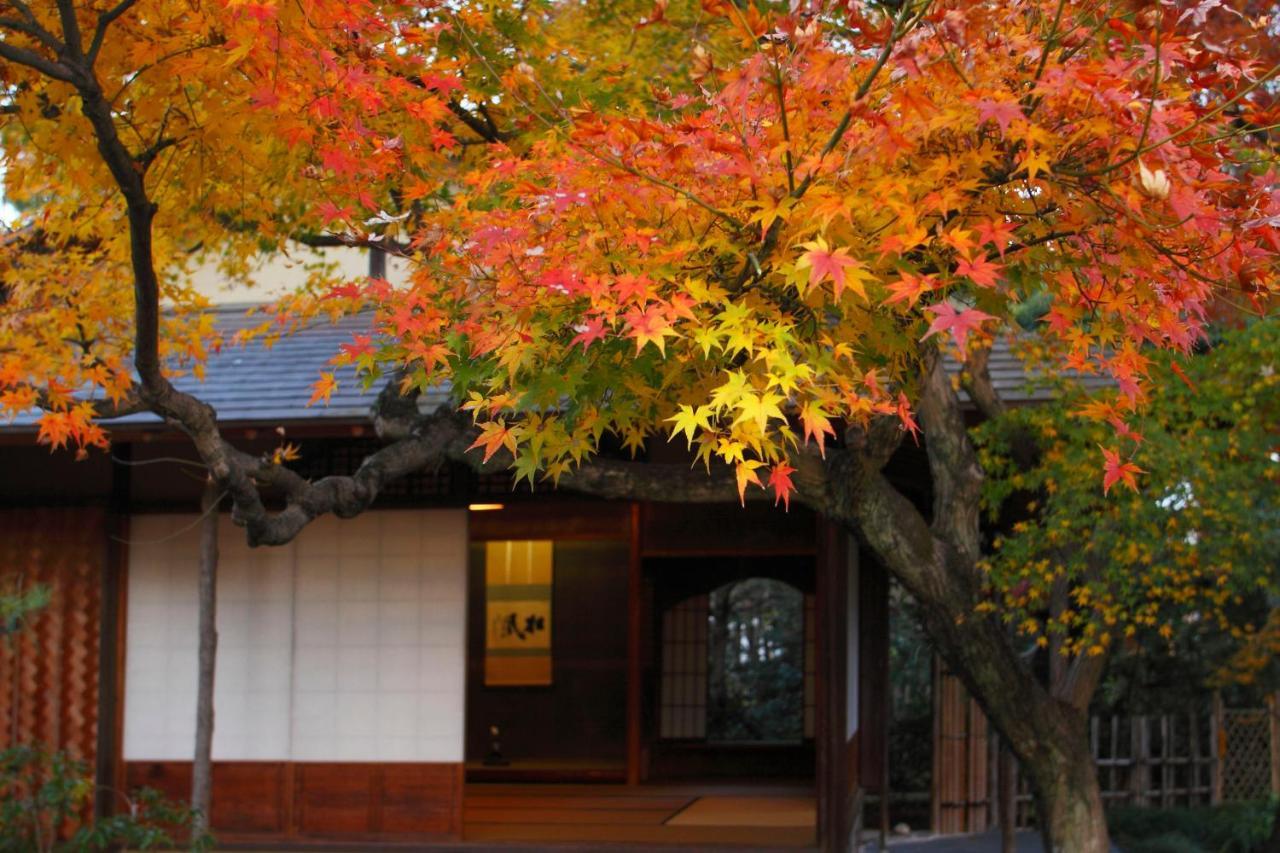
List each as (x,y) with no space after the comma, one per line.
(1200,756)
(1149,760)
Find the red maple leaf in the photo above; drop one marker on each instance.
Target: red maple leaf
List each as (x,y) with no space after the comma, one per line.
(1116,471)
(780,480)
(997,232)
(908,420)
(824,263)
(1002,113)
(360,345)
(958,323)
(589,331)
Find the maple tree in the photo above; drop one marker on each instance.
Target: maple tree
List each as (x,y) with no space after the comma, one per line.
(766,254)
(1184,563)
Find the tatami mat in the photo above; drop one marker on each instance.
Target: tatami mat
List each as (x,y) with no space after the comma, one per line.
(747,811)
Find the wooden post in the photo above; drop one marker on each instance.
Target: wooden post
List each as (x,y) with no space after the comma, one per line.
(1115,754)
(1273,713)
(1194,787)
(1217,738)
(1141,754)
(1165,767)
(935,777)
(635,590)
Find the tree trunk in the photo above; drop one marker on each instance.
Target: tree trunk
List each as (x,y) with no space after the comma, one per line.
(1068,799)
(202,766)
(1047,734)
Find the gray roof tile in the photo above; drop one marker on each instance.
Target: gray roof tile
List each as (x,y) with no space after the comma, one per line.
(260,386)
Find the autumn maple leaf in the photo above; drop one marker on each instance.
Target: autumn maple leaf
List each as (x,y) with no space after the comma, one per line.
(817,426)
(909,289)
(1003,113)
(323,389)
(780,482)
(1115,471)
(823,262)
(689,420)
(958,323)
(649,326)
(997,232)
(589,330)
(494,436)
(746,474)
(907,419)
(979,270)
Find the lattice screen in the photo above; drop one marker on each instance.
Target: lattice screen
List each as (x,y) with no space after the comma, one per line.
(1246,754)
(683,711)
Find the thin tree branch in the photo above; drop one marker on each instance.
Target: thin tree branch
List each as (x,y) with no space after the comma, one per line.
(975,379)
(31,59)
(104,21)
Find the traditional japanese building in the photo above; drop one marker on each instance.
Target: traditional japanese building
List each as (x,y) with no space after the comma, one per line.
(463,663)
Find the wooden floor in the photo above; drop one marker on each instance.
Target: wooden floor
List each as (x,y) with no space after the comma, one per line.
(621,814)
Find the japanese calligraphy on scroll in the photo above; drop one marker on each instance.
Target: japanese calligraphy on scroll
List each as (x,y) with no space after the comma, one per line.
(517,613)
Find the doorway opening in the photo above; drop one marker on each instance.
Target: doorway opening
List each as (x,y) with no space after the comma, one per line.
(733,668)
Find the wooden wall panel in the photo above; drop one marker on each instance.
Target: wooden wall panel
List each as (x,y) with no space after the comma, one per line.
(420,799)
(250,797)
(49,670)
(560,520)
(263,800)
(673,529)
(334,799)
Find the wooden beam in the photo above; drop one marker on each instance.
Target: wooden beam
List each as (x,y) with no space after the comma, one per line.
(635,591)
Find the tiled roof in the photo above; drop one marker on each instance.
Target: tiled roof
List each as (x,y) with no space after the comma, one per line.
(261,386)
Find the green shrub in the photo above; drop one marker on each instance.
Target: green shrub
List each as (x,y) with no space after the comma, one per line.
(1229,828)
(45,800)
(1170,842)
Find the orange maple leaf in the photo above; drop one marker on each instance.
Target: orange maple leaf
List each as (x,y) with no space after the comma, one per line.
(323,389)
(494,436)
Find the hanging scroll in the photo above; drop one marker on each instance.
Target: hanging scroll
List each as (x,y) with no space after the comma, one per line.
(517,613)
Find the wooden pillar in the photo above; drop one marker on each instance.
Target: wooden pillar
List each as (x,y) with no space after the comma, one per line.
(108,759)
(834,819)
(1273,708)
(635,638)
(1217,746)
(874,695)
